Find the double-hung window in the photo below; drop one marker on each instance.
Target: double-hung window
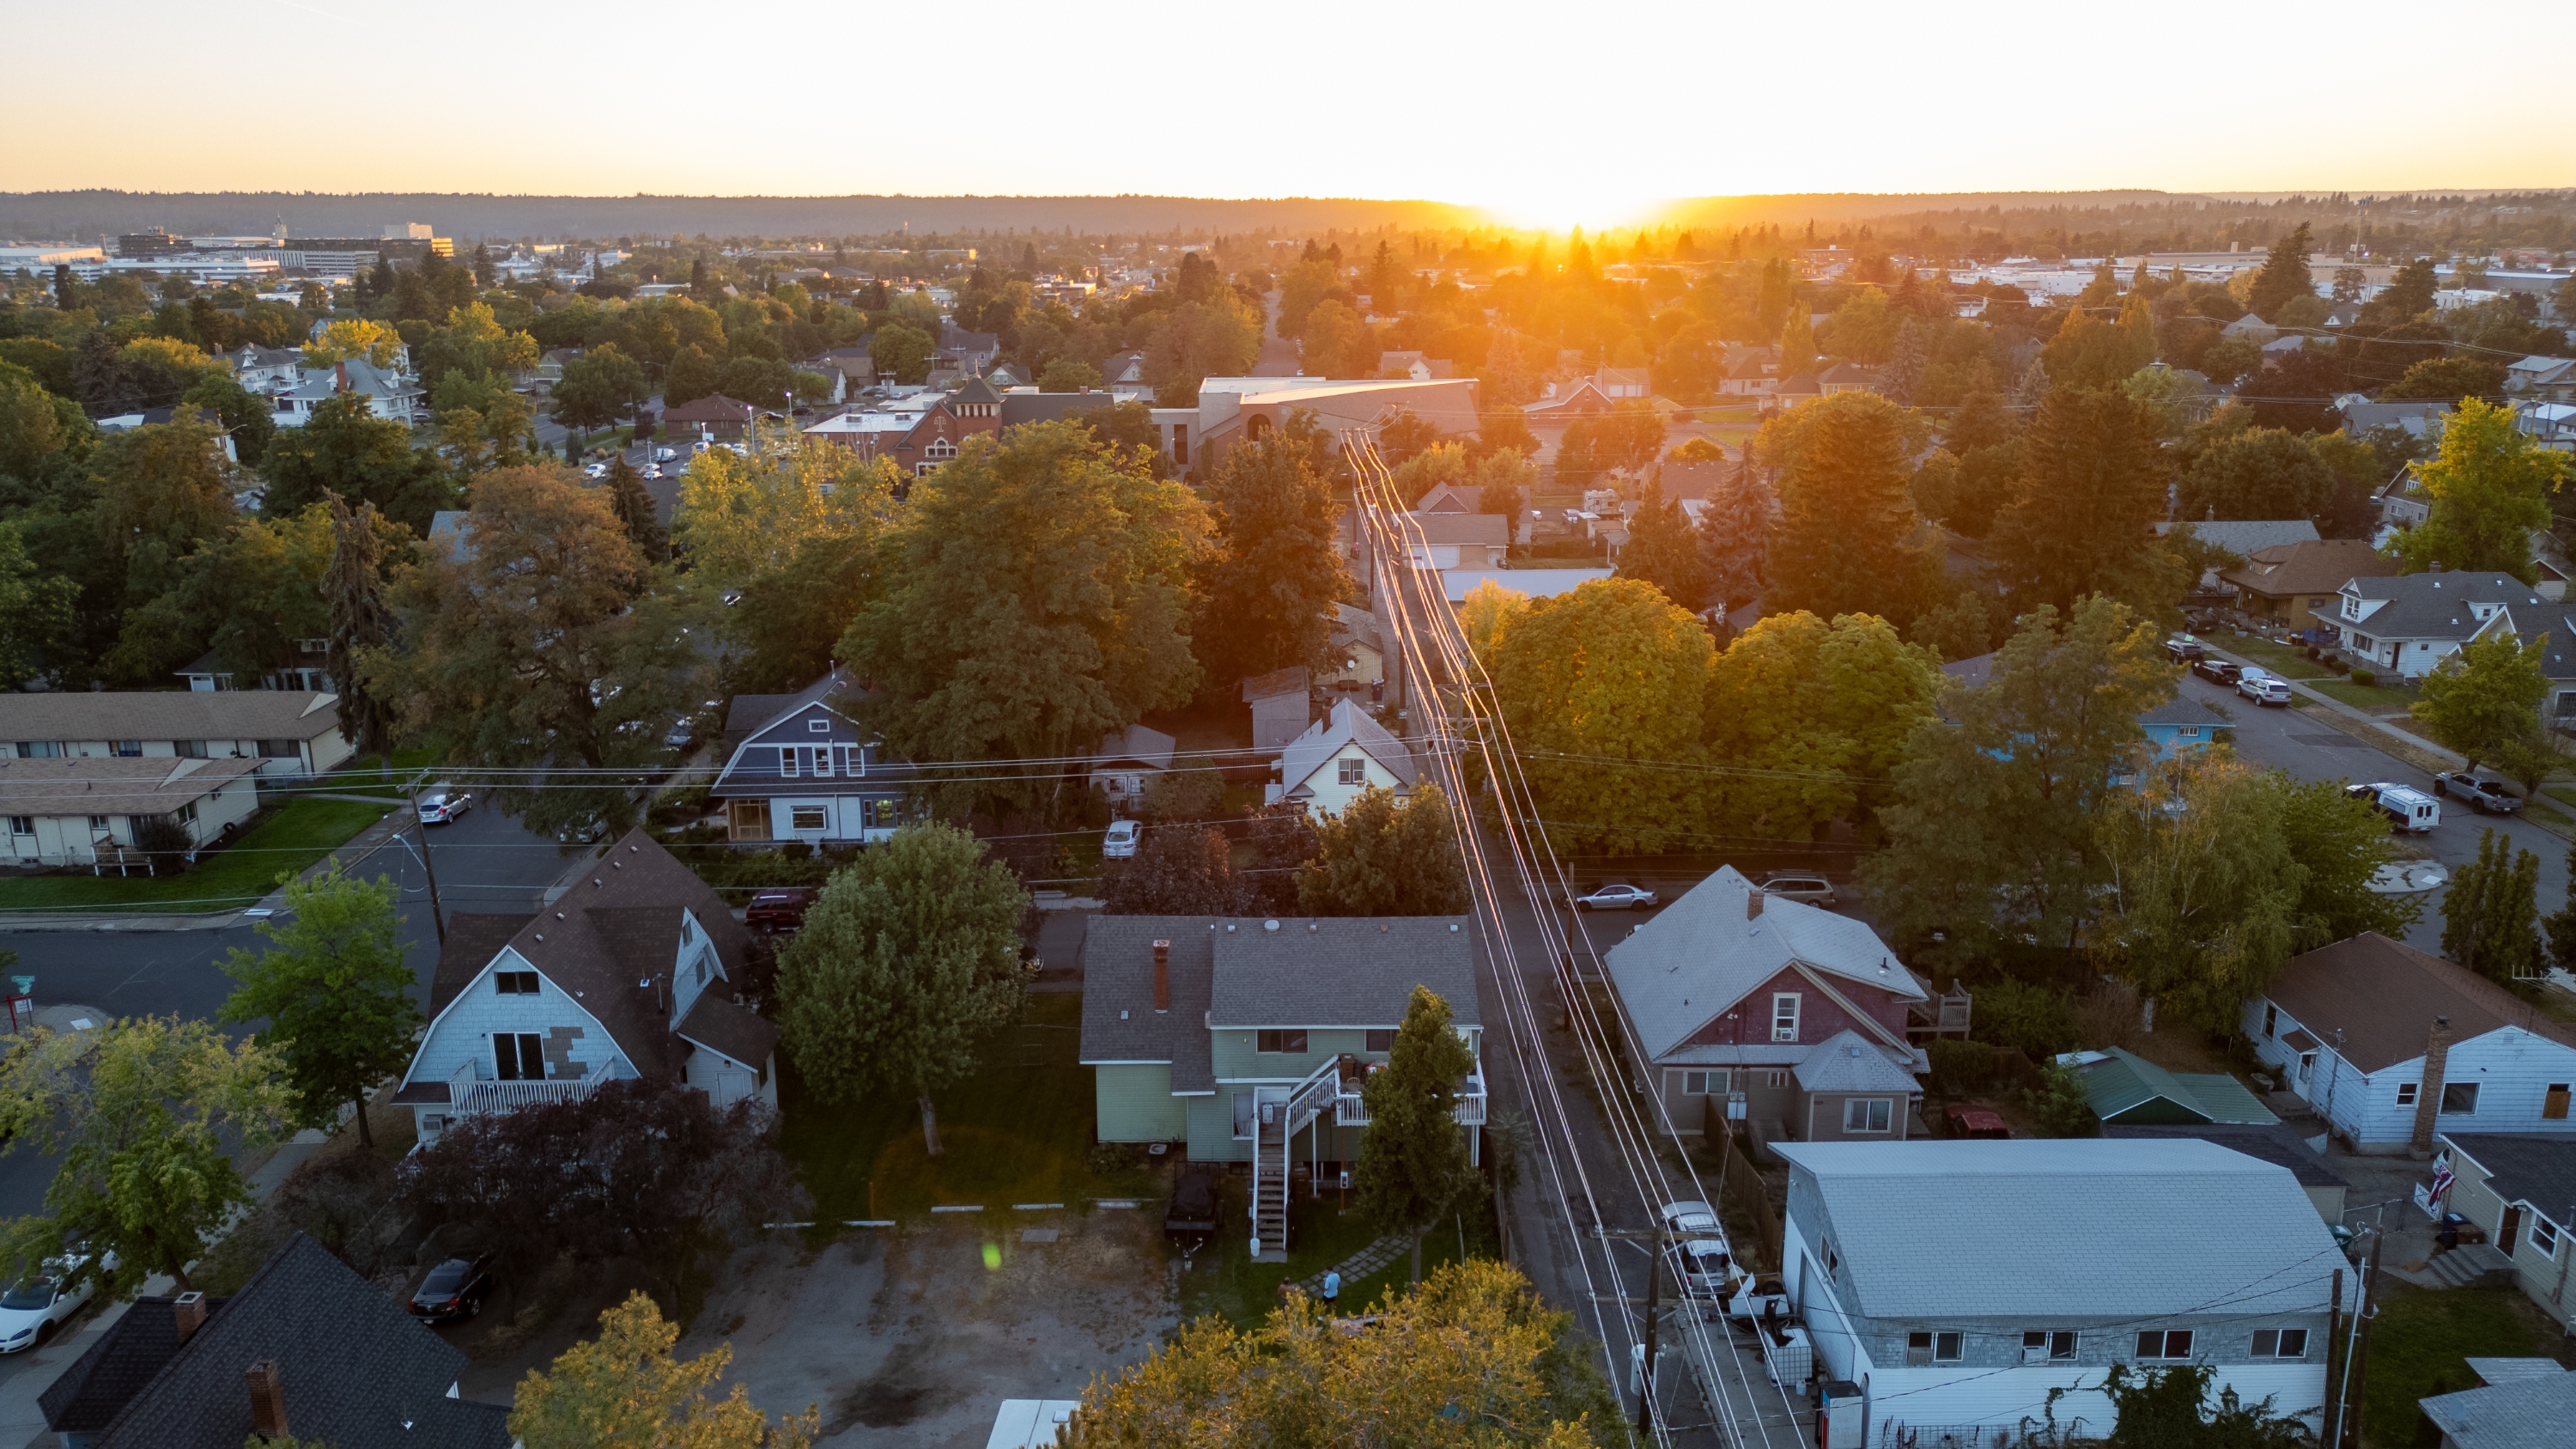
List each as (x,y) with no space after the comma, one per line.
(1868,1114)
(1784,1016)
(1352,772)
(2165,1343)
(1289,1042)
(790,759)
(2048,1345)
(2544,1236)
(2280,1343)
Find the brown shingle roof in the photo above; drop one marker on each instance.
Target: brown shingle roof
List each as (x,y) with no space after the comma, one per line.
(121,785)
(2383,996)
(2320,567)
(720,1026)
(473,939)
(715,407)
(168,714)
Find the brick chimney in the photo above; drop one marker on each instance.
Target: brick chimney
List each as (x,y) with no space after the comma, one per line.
(1753,905)
(1162,975)
(267,1399)
(2428,1097)
(188,1314)
(340,371)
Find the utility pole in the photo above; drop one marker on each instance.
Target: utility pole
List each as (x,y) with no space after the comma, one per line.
(2356,1376)
(1646,1370)
(436,917)
(2334,1323)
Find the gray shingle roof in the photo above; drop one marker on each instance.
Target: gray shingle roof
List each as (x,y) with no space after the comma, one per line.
(2073,1227)
(2436,606)
(1850,1062)
(1343,971)
(1117,963)
(1348,724)
(2275,1142)
(2525,1168)
(2245,538)
(117,785)
(358,1371)
(169,714)
(2523,1414)
(720,1026)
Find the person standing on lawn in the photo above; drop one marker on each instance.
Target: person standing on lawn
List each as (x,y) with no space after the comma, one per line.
(1332,1287)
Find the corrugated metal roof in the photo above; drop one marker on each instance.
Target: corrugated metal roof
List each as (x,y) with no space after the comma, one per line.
(2123,1082)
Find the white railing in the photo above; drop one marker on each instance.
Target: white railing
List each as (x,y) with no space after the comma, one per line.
(1349,1110)
(489,1097)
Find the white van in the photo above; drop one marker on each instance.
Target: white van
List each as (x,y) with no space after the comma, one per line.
(2407,809)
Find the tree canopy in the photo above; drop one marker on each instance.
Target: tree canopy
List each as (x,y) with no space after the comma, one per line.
(335,991)
(625,1389)
(2490,488)
(1847,540)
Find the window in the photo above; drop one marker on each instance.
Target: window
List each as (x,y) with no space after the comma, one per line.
(1181,444)
(2553,1105)
(1381,1039)
(127,749)
(22,825)
(787,759)
(519,1058)
(2048,1345)
(1943,1347)
(2271,1021)
(277,750)
(514,983)
(313,646)
(185,814)
(2460,1098)
(2166,1343)
(940,448)
(854,760)
(1784,1016)
(1704,1084)
(2544,1236)
(822,761)
(189,749)
(38,749)
(1867,1114)
(1776,1079)
(2188,732)
(98,822)
(1353,772)
(2406,1094)
(805,817)
(2280,1343)
(818,726)
(881,812)
(1279,1041)
(1833,1260)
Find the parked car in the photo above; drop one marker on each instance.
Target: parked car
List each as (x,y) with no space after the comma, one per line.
(666,455)
(1197,1209)
(36,1307)
(1690,1218)
(2182,649)
(2486,797)
(2262,688)
(1701,1265)
(1799,885)
(1615,898)
(1120,841)
(594,470)
(779,909)
(442,805)
(652,470)
(1964,1121)
(454,1289)
(2217,671)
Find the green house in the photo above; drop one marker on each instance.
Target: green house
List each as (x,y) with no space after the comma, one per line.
(2128,1090)
(1246,1040)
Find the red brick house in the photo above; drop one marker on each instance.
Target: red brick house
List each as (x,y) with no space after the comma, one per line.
(1791,1012)
(918,442)
(715,416)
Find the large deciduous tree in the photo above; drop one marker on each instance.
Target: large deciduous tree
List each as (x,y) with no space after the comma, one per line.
(1179,870)
(2489,488)
(2256,473)
(904,967)
(335,991)
(1385,857)
(344,448)
(626,1390)
(1265,591)
(798,534)
(598,387)
(1810,717)
(361,622)
(1413,1160)
(2485,697)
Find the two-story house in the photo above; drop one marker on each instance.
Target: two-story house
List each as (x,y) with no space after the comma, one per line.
(1774,1012)
(2391,1044)
(1337,758)
(389,393)
(630,971)
(1247,1040)
(1976,1289)
(2408,623)
(801,767)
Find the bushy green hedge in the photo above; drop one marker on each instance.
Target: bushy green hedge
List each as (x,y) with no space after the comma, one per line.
(2038,1019)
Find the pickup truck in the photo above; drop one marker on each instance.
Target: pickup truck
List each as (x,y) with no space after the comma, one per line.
(2486,797)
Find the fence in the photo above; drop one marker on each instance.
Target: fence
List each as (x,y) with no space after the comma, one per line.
(1742,1186)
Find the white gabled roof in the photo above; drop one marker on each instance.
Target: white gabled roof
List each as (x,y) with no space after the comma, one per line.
(1687,965)
(1347,725)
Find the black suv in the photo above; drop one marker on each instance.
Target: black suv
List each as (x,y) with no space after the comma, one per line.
(2484,796)
(2217,671)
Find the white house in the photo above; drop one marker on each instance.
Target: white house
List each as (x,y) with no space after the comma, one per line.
(630,971)
(2391,1044)
(1339,756)
(286,732)
(82,811)
(2408,623)
(389,394)
(1974,1287)
(1129,761)
(799,767)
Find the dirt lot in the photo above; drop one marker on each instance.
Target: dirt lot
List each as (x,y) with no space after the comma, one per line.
(915,1336)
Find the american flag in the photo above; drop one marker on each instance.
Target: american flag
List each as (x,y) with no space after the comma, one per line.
(2441,1179)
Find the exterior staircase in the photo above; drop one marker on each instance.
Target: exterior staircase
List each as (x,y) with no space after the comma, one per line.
(1333,1087)
(2468,1266)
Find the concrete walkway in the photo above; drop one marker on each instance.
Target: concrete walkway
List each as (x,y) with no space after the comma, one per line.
(1358,1265)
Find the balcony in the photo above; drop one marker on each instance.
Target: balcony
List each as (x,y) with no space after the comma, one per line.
(1350,1111)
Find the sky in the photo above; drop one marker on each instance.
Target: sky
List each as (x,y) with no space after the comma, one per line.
(1549,115)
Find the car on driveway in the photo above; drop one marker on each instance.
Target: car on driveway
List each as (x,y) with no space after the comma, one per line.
(2486,797)
(780,909)
(2182,649)
(1119,841)
(1615,898)
(1197,1209)
(1799,885)
(2217,671)
(36,1307)
(442,805)
(454,1289)
(2262,688)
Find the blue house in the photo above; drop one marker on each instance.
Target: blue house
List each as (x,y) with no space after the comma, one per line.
(799,767)
(2179,724)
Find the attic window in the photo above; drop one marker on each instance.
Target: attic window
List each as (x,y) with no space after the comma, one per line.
(818,726)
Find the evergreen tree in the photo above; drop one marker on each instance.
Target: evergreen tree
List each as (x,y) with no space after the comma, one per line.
(484,273)
(2491,914)
(360,623)
(1735,534)
(1848,540)
(2030,388)
(698,276)
(1413,1160)
(1798,343)
(1904,369)
(2081,517)
(2284,275)
(634,506)
(1663,551)
(2561,925)
(1983,418)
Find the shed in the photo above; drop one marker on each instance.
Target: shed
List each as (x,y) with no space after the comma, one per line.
(1280,711)
(2126,1088)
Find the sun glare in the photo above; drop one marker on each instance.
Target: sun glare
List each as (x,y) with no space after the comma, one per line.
(1560,203)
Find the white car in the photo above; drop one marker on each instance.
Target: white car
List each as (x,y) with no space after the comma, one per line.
(1120,842)
(35,1309)
(1615,898)
(443,805)
(2263,688)
(595,470)
(652,470)
(666,455)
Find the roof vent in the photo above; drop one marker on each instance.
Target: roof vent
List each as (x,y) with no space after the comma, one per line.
(617,865)
(541,935)
(1270,925)
(559,915)
(633,849)
(1311,927)
(1453,926)
(1229,928)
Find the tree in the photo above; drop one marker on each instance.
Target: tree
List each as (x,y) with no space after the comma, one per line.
(1386,857)
(1599,686)
(626,1390)
(798,534)
(357,338)
(1798,343)
(2447,379)
(2561,925)
(694,374)
(335,992)
(2486,695)
(1483,615)
(2489,488)
(2172,1408)
(1265,592)
(1218,337)
(2338,845)
(599,386)
(361,623)
(1663,551)
(635,511)
(1068,374)
(1334,343)
(35,611)
(1413,1159)
(1735,534)
(345,449)
(2204,889)
(1811,717)
(1179,870)
(1283,838)
(1628,439)
(2256,473)
(907,963)
(1847,540)
(1503,480)
(2284,275)
(2491,913)
(763,382)
(1034,601)
(2080,520)
(1475,1333)
(247,418)
(544,642)
(1990,835)
(145,1115)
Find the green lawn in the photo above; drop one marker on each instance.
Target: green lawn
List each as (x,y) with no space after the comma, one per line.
(1225,1281)
(1018,1130)
(300,833)
(2418,1345)
(2278,659)
(2370,697)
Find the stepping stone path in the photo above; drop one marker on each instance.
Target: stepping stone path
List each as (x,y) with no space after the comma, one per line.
(1359,1265)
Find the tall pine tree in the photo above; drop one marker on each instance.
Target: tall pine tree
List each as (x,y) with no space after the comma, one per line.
(2082,514)
(2491,914)
(627,495)
(1735,535)
(1662,551)
(360,623)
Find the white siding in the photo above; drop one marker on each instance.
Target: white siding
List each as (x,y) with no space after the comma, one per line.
(462,1034)
(1330,795)
(697,967)
(1949,1395)
(2513,1068)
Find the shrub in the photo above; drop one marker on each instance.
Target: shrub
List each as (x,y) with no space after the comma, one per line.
(165,840)
(797,850)
(1961,1066)
(2365,676)
(2040,1020)
(2059,1102)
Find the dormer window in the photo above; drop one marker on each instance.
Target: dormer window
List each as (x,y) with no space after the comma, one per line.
(818,726)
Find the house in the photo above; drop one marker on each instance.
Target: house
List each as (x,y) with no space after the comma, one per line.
(1123,373)
(714,417)
(288,732)
(1247,1040)
(2421,421)
(2294,586)
(1358,645)
(1782,1014)
(2408,623)
(2128,1090)
(968,352)
(2551,379)
(1750,372)
(1128,762)
(309,672)
(1280,708)
(1008,376)
(1452,498)
(2273,1142)
(550,363)
(1232,410)
(2391,1044)
(2343,314)
(307,1348)
(389,394)
(2521,1402)
(1458,540)
(851,368)
(1977,1289)
(924,432)
(2521,1189)
(629,971)
(1624,382)
(82,811)
(2549,425)
(1414,366)
(2243,537)
(1337,758)
(266,370)
(2180,723)
(1846,377)
(1791,391)
(2251,327)
(1563,402)
(2282,346)
(1692,482)
(801,767)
